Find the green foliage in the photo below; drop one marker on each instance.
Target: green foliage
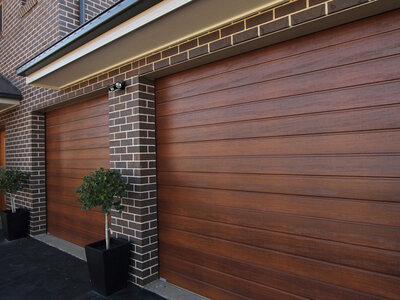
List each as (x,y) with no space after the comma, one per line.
(103,188)
(12,180)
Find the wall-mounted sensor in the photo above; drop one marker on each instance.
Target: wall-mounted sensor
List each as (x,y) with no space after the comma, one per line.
(119,85)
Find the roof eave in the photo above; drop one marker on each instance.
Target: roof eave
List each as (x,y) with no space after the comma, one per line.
(114,15)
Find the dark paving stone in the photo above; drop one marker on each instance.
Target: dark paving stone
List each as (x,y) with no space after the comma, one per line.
(30,269)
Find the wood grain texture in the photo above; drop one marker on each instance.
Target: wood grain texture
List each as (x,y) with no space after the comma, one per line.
(342,34)
(278,170)
(76,144)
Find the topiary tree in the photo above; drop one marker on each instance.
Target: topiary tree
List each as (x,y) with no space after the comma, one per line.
(103,188)
(11,181)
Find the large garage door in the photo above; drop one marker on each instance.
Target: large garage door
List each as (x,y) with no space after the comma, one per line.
(77,142)
(278,170)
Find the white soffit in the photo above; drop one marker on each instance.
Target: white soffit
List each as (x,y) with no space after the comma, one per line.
(6,103)
(162,25)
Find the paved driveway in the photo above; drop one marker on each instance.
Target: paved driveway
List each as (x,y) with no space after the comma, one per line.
(30,269)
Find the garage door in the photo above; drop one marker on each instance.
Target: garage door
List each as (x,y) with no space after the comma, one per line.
(77,143)
(278,170)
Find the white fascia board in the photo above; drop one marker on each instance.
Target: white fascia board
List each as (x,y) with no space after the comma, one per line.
(9,101)
(138,21)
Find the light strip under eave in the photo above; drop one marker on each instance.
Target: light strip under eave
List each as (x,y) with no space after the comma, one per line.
(9,102)
(138,21)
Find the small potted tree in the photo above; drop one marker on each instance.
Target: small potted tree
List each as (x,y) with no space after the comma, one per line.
(108,259)
(14,221)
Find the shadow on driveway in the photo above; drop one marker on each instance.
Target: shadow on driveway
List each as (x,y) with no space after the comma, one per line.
(30,269)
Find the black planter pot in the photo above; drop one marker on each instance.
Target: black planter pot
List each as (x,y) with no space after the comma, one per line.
(108,269)
(14,225)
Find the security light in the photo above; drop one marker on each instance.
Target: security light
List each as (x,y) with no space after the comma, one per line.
(120,85)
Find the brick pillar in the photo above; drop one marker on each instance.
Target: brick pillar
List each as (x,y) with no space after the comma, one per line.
(37,181)
(132,151)
(25,150)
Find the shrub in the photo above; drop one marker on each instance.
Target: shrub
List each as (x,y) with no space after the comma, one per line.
(11,181)
(103,188)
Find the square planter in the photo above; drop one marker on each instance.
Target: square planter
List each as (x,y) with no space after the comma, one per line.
(14,225)
(108,269)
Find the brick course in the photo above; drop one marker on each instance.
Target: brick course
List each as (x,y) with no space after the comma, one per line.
(132,120)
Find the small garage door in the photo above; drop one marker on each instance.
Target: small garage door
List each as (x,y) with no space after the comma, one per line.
(278,170)
(77,142)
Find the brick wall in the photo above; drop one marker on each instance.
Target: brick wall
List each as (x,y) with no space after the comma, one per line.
(132,119)
(68,15)
(132,116)
(69,12)
(29,27)
(94,7)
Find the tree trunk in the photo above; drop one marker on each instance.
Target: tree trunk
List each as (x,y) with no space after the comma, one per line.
(13,208)
(107,233)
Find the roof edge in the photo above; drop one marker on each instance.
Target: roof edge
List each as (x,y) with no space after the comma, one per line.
(109,18)
(8,90)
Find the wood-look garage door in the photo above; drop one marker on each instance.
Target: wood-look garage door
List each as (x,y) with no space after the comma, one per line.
(279,170)
(77,142)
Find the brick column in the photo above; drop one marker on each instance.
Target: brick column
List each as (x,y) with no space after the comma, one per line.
(132,151)
(37,180)
(25,150)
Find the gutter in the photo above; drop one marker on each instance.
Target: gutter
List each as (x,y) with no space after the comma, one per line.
(111,17)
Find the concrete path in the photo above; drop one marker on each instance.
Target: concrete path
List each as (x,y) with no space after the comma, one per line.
(30,269)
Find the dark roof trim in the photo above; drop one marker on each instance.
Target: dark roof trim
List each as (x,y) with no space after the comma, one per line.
(8,90)
(111,17)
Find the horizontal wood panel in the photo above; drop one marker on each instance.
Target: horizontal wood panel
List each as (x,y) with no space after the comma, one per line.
(237,285)
(346,165)
(88,143)
(379,189)
(91,164)
(80,236)
(343,54)
(377,236)
(334,274)
(94,132)
(344,121)
(335,143)
(56,191)
(200,287)
(68,200)
(264,107)
(81,225)
(64,181)
(69,173)
(334,36)
(372,259)
(101,120)
(281,167)
(67,115)
(77,142)
(91,220)
(98,153)
(301,286)
(371,212)
(346,76)
(78,106)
